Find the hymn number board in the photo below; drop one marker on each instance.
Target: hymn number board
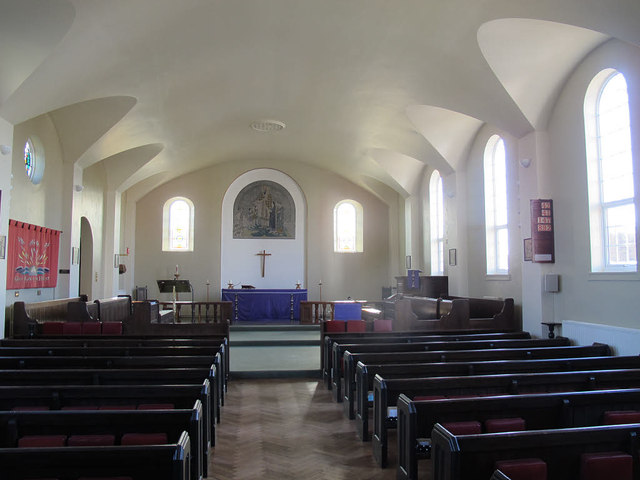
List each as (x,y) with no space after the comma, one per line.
(542,237)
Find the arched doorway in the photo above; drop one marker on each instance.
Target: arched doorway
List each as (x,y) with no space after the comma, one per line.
(86,259)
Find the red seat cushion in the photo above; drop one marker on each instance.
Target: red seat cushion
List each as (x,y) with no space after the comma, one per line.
(463,428)
(91,328)
(356,326)
(72,328)
(52,328)
(494,425)
(42,441)
(417,398)
(383,325)
(620,417)
(91,440)
(335,326)
(80,407)
(606,466)
(112,328)
(523,469)
(156,406)
(144,439)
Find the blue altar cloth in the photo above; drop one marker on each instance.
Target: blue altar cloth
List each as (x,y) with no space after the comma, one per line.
(265,305)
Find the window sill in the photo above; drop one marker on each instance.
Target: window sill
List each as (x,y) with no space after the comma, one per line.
(498,277)
(614,276)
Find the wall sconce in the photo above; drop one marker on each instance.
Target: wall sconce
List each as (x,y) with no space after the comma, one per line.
(525,162)
(78,188)
(5,149)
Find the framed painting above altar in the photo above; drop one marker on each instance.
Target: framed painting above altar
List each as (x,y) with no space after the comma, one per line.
(264,209)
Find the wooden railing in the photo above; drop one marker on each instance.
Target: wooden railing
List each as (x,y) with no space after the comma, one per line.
(312,312)
(201,312)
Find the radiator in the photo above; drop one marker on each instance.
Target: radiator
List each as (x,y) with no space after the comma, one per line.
(623,341)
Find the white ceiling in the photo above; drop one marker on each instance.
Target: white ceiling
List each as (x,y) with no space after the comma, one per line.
(369,89)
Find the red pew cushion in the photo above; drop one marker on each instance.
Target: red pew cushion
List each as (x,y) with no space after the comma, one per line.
(606,466)
(42,441)
(156,406)
(523,469)
(72,328)
(356,326)
(91,440)
(91,328)
(112,328)
(144,439)
(383,325)
(80,407)
(463,428)
(335,326)
(417,398)
(621,416)
(494,425)
(52,328)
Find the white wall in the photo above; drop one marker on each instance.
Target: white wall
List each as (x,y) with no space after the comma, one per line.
(359,275)
(239,262)
(6,138)
(612,300)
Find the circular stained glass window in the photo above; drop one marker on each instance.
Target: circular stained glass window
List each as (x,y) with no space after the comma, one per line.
(29,159)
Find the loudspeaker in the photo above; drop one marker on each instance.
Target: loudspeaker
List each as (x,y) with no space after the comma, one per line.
(551,281)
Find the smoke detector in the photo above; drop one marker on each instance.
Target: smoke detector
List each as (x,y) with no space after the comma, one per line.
(267,125)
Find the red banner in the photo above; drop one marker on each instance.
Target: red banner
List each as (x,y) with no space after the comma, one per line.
(32,256)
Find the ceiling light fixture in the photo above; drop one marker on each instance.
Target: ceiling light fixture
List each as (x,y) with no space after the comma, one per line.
(268,125)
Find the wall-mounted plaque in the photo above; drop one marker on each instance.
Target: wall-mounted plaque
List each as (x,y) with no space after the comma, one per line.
(542,237)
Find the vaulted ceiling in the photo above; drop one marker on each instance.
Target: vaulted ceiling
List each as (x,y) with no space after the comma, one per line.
(369,89)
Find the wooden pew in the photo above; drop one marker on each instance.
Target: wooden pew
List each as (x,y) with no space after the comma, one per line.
(15,426)
(119,362)
(26,315)
(400,337)
(344,337)
(340,348)
(365,374)
(460,457)
(387,391)
(69,397)
(220,341)
(350,360)
(123,377)
(149,462)
(416,419)
(114,349)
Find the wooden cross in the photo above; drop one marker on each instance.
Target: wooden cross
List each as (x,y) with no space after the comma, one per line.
(264,255)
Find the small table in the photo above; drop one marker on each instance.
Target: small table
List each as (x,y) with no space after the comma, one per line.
(552,326)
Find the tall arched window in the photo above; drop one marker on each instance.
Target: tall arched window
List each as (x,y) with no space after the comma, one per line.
(436,220)
(347,227)
(495,207)
(177,225)
(612,211)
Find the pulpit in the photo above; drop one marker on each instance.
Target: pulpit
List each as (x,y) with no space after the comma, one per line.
(265,305)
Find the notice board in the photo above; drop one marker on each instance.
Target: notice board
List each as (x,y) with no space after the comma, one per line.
(542,236)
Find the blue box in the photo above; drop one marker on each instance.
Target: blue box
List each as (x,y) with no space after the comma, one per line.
(347,311)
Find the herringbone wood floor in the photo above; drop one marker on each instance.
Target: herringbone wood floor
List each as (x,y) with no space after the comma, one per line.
(289,429)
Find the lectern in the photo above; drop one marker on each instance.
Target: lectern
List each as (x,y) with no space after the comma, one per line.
(181,286)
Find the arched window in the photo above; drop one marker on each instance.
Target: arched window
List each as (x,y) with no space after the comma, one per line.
(436,219)
(34,160)
(612,211)
(177,225)
(495,207)
(347,227)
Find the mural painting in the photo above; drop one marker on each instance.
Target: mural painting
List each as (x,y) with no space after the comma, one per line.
(264,209)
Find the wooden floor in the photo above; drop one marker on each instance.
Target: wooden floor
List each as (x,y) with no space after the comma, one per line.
(288,429)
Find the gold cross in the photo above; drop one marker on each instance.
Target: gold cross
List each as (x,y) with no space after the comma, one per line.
(264,255)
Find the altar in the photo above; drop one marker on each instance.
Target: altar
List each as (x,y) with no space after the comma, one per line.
(259,305)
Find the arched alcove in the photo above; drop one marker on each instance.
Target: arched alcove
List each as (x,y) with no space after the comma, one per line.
(245,235)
